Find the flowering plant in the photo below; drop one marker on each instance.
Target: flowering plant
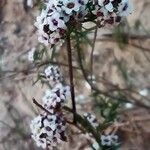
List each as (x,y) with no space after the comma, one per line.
(63,21)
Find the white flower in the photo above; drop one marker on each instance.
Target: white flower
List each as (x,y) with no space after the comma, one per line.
(109,7)
(54,37)
(109,140)
(43,38)
(144,92)
(30,3)
(125,8)
(106,140)
(129,105)
(91,119)
(40,20)
(70,6)
(55,22)
(31,54)
(62,91)
(100,2)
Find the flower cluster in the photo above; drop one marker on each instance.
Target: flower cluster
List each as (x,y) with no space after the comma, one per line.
(53,99)
(109,140)
(52,22)
(48,129)
(109,12)
(52,73)
(106,140)
(91,119)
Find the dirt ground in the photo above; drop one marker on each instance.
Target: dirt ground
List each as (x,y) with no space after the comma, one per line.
(18,36)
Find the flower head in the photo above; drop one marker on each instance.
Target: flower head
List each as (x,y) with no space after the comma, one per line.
(50,24)
(48,130)
(110,12)
(54,98)
(52,73)
(91,119)
(109,140)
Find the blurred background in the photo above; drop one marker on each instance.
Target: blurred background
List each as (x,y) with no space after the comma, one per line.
(121,62)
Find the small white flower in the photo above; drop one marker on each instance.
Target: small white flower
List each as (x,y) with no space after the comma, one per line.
(55,22)
(101,2)
(129,105)
(109,140)
(144,92)
(125,8)
(70,6)
(106,140)
(30,3)
(54,37)
(109,7)
(91,119)
(114,139)
(40,20)
(43,38)
(31,54)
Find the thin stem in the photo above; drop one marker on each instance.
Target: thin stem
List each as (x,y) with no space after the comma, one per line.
(92,52)
(40,106)
(69,51)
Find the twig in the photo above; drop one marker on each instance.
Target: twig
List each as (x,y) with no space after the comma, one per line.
(125,96)
(55,63)
(69,51)
(40,106)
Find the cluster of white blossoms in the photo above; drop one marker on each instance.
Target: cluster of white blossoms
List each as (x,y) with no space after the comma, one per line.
(58,15)
(109,140)
(106,140)
(91,119)
(56,97)
(52,22)
(53,74)
(110,12)
(48,129)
